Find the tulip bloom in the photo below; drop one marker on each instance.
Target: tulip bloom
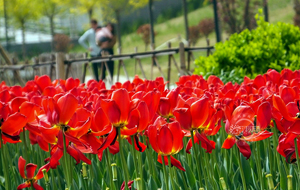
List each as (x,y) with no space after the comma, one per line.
(190,120)
(30,178)
(239,127)
(166,140)
(168,103)
(10,125)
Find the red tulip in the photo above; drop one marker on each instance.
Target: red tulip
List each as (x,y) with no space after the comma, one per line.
(30,178)
(240,128)
(166,139)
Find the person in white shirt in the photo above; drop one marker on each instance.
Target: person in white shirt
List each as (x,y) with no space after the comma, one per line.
(87,40)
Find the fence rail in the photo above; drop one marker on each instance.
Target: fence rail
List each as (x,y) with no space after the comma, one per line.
(65,64)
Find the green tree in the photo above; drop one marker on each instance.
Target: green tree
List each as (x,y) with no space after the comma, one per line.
(112,10)
(21,11)
(50,9)
(82,6)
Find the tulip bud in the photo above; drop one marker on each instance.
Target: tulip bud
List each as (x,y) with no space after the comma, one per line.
(270,181)
(139,184)
(84,171)
(224,187)
(45,176)
(107,188)
(114,171)
(290,182)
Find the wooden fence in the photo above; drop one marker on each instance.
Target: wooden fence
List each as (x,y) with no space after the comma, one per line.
(62,65)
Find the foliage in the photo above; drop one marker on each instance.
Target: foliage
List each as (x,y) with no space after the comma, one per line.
(83,6)
(110,7)
(206,26)
(22,10)
(145,33)
(238,15)
(62,43)
(194,34)
(268,46)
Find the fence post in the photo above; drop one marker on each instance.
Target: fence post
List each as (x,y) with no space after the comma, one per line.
(60,66)
(182,58)
(169,66)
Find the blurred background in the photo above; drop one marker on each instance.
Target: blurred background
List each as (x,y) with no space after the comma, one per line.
(29,28)
(31,31)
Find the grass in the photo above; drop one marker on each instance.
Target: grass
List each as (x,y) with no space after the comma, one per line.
(279,11)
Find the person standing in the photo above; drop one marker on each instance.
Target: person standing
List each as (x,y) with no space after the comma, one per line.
(87,40)
(107,45)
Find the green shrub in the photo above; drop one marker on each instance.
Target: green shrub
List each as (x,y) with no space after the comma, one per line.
(275,46)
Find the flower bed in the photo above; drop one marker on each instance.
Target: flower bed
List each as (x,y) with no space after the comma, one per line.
(216,135)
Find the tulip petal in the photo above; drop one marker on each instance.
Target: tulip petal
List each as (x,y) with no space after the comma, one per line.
(108,140)
(174,162)
(184,117)
(229,142)
(280,106)
(152,135)
(67,105)
(258,136)
(165,140)
(21,166)
(199,112)
(24,185)
(244,148)
(30,169)
(177,137)
(295,128)
(121,98)
(264,115)
(37,186)
(111,110)
(14,123)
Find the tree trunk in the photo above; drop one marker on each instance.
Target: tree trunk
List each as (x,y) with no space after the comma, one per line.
(185,12)
(118,27)
(151,21)
(266,10)
(90,12)
(216,17)
(51,20)
(23,39)
(6,24)
(297,10)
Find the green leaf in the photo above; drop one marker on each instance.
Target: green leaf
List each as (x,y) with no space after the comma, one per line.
(191,180)
(152,184)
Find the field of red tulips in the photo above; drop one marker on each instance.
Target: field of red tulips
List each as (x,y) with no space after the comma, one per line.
(203,134)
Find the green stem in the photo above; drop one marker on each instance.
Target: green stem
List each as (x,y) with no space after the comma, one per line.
(4,163)
(25,145)
(66,165)
(123,161)
(297,155)
(270,154)
(210,170)
(141,169)
(91,167)
(197,159)
(109,169)
(275,144)
(51,171)
(165,173)
(183,179)
(171,173)
(258,164)
(241,169)
(134,157)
